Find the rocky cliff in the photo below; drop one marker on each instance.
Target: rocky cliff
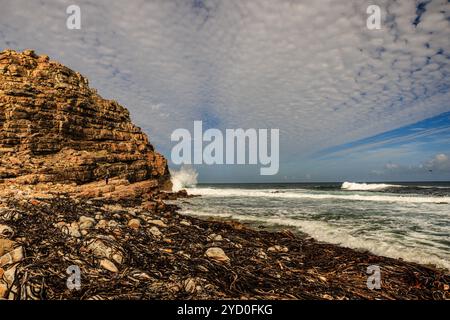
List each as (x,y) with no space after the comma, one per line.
(54,128)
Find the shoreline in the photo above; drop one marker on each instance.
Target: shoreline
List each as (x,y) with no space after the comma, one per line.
(145,249)
(263,226)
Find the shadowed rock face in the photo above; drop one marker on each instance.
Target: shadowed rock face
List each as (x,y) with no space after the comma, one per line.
(54,128)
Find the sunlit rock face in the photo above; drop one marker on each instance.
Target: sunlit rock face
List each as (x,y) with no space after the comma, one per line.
(54,128)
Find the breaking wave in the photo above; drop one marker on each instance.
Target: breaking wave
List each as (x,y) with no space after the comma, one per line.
(269,193)
(184,178)
(353,186)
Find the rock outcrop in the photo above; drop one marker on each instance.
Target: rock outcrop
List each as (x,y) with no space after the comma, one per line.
(54,128)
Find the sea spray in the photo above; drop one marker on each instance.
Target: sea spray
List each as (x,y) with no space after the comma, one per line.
(183,178)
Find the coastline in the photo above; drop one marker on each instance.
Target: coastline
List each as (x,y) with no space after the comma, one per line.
(142,248)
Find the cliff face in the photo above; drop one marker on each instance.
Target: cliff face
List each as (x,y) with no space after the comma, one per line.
(54,128)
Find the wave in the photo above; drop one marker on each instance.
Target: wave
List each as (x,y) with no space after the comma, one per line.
(353,186)
(322,231)
(183,178)
(271,193)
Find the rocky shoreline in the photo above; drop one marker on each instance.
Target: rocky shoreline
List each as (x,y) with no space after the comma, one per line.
(141,248)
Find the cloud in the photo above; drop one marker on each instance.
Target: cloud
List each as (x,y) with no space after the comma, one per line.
(392,166)
(311,69)
(438,164)
(441,162)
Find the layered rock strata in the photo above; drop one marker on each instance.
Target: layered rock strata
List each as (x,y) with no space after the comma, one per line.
(55,129)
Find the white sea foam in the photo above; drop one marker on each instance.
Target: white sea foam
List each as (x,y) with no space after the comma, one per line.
(366,186)
(183,178)
(303,194)
(322,231)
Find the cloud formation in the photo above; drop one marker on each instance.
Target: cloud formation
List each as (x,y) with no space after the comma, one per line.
(438,164)
(310,68)
(441,162)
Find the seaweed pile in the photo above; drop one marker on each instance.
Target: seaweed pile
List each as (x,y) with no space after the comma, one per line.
(141,248)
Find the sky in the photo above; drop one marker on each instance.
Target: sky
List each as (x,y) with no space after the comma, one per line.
(351,104)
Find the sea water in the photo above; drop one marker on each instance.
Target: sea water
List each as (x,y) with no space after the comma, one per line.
(400,220)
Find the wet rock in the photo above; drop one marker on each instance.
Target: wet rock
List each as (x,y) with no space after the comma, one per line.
(86,223)
(6,246)
(74,230)
(3,289)
(7,278)
(134,223)
(100,249)
(185,223)
(238,245)
(149,205)
(215,237)
(261,254)
(278,248)
(102,224)
(113,224)
(12,257)
(158,223)
(108,265)
(190,285)
(155,232)
(217,254)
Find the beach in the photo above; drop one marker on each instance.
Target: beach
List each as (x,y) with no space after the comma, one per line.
(143,248)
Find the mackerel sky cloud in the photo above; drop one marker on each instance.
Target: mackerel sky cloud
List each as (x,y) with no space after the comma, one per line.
(310,68)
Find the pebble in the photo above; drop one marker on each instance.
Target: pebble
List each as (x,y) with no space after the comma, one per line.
(185,223)
(134,223)
(238,245)
(86,223)
(217,254)
(74,230)
(215,237)
(155,232)
(190,286)
(158,223)
(261,254)
(113,224)
(102,224)
(277,248)
(101,249)
(108,265)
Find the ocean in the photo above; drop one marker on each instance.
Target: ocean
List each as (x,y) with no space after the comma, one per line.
(410,221)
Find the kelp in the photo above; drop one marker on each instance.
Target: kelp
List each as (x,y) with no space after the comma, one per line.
(173,265)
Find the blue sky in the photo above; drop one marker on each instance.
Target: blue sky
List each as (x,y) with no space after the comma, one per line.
(351,103)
